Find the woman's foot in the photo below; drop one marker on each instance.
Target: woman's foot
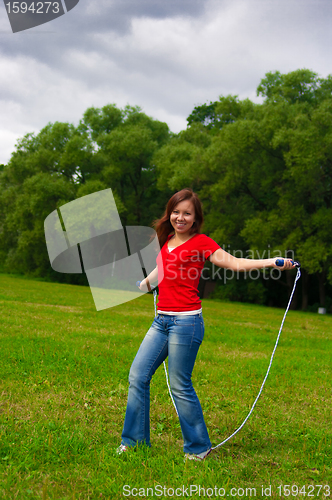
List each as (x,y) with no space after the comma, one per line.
(121,449)
(197,456)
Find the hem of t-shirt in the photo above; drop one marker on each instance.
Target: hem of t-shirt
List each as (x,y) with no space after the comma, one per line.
(180,313)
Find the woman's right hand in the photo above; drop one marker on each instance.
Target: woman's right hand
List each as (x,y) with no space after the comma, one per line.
(143,286)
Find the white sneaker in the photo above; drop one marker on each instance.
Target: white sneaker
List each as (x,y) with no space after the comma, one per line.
(197,456)
(121,449)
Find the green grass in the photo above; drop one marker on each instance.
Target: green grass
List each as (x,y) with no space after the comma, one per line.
(64,370)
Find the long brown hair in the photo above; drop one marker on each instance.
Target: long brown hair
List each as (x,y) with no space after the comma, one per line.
(163,226)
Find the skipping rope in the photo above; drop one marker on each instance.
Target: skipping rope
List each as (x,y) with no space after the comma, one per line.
(280,263)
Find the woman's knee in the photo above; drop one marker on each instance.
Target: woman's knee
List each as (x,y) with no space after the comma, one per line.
(137,376)
(179,385)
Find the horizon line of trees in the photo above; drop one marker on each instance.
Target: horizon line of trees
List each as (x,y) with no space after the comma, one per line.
(262,171)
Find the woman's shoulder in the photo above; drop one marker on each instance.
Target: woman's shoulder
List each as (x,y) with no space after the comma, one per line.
(204,237)
(206,241)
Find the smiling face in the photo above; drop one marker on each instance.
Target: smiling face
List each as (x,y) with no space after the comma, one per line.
(183,217)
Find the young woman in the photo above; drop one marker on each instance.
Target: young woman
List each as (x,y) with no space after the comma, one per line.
(177,331)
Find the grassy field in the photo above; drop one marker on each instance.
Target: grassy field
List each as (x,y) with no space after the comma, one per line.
(64,370)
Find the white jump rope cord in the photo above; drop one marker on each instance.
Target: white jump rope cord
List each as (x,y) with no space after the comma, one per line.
(298,274)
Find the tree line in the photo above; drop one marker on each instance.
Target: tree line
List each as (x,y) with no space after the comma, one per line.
(263,172)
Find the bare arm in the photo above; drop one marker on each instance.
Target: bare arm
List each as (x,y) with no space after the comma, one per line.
(224,259)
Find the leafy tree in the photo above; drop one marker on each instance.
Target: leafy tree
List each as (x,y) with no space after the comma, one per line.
(126,154)
(205,114)
(303,214)
(300,86)
(220,113)
(35,181)
(109,148)
(23,211)
(179,163)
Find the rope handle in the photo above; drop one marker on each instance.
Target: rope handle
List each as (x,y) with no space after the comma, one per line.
(281,262)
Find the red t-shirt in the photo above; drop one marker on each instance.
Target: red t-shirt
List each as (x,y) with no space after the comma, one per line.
(182,267)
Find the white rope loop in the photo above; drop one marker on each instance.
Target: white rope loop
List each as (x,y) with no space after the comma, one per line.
(298,274)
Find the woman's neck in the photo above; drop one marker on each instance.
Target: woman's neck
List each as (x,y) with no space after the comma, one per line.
(178,239)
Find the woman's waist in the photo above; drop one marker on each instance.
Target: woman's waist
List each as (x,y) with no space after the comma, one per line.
(180,313)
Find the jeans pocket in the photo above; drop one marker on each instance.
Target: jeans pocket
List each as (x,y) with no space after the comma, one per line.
(184,321)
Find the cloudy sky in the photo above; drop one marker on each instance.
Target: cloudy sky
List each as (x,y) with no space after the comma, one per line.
(166,56)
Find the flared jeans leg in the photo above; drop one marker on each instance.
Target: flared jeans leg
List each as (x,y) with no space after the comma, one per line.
(152,352)
(179,338)
(186,336)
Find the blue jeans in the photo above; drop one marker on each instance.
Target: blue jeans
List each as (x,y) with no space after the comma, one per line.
(179,338)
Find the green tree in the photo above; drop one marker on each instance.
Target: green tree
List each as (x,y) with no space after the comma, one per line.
(125,142)
(220,113)
(301,218)
(110,148)
(35,181)
(300,86)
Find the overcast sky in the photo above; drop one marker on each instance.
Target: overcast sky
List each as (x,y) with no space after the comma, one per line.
(166,56)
